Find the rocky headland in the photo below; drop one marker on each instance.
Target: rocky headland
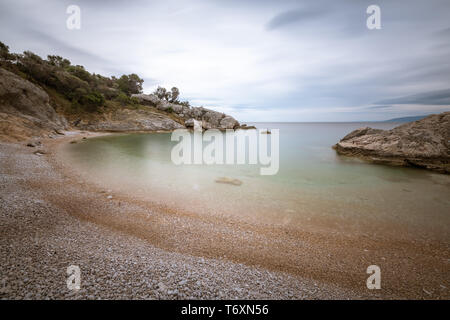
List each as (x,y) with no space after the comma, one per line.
(42,97)
(424,144)
(27,111)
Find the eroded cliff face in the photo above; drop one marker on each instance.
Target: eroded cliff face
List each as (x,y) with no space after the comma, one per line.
(424,143)
(25,109)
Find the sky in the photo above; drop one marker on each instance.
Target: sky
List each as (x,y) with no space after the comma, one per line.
(256,60)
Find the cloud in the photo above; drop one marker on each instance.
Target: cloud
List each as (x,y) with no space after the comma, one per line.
(292,60)
(379,107)
(290,17)
(438,97)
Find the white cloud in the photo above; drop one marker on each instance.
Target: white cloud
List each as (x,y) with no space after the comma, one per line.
(324,63)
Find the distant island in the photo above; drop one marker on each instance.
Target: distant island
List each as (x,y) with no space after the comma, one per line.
(406,119)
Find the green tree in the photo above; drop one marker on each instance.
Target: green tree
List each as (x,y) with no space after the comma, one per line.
(130,84)
(4,52)
(58,61)
(160,92)
(175,93)
(79,72)
(92,101)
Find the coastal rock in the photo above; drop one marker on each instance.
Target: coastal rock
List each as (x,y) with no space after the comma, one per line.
(210,119)
(245,127)
(164,105)
(197,112)
(228,123)
(131,120)
(25,109)
(177,108)
(206,125)
(213,118)
(423,143)
(146,99)
(189,123)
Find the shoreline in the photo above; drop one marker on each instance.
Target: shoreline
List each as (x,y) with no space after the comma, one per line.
(307,261)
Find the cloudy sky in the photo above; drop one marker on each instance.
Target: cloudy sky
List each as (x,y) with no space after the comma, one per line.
(257,60)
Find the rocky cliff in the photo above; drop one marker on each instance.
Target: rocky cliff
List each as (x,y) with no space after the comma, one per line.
(126,120)
(424,143)
(25,109)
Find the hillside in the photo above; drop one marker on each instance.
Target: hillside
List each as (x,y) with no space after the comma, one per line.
(44,96)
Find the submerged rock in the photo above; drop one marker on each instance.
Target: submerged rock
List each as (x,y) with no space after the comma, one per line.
(226,180)
(424,144)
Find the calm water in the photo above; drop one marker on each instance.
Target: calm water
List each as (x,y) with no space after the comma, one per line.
(312,183)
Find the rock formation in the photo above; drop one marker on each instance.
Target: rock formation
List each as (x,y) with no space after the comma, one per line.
(210,119)
(127,120)
(424,143)
(25,109)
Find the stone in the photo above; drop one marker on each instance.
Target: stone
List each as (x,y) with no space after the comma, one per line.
(146,99)
(189,123)
(213,118)
(226,180)
(423,144)
(228,123)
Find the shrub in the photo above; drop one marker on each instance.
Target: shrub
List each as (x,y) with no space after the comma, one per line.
(123,99)
(92,101)
(80,72)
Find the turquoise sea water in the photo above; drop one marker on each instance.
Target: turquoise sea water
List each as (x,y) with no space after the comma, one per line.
(313,182)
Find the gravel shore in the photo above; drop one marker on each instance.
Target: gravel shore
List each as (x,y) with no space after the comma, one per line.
(39,241)
(129,250)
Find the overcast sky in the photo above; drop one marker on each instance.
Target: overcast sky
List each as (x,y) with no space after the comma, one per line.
(257,60)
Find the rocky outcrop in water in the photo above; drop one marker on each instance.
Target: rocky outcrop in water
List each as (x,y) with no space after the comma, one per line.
(424,144)
(25,109)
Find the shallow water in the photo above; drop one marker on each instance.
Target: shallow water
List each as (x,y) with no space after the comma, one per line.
(313,182)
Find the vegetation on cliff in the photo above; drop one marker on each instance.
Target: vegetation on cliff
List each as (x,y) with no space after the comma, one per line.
(74,89)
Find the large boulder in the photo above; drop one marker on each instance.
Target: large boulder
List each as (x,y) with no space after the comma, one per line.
(423,143)
(25,109)
(146,99)
(164,105)
(213,118)
(189,123)
(228,123)
(197,112)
